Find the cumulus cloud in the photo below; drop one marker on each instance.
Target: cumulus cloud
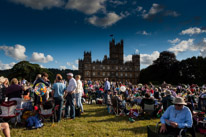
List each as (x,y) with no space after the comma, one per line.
(190,45)
(193,30)
(136,51)
(182,46)
(143,33)
(77,61)
(171,13)
(110,19)
(118,2)
(174,41)
(145,59)
(39,57)
(17,52)
(157,9)
(6,66)
(86,6)
(72,66)
(40,4)
(62,67)
(139,8)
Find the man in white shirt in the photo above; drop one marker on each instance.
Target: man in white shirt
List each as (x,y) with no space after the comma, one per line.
(70,96)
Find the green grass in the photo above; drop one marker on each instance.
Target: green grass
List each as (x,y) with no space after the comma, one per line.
(95,122)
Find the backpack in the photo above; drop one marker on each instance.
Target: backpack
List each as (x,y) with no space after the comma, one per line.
(34,122)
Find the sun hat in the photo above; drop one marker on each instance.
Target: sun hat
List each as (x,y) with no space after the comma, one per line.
(179,100)
(70,74)
(168,92)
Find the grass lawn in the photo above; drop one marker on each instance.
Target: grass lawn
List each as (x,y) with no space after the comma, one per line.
(94,122)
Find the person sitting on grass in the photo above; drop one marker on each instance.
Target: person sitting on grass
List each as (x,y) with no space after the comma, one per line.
(176,117)
(5,128)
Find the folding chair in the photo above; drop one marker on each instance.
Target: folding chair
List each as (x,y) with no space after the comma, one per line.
(9,111)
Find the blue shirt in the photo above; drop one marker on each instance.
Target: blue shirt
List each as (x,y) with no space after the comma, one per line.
(182,117)
(59,89)
(107,85)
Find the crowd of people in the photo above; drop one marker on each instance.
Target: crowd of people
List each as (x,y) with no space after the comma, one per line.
(70,96)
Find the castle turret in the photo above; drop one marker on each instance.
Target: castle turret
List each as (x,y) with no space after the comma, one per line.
(87,57)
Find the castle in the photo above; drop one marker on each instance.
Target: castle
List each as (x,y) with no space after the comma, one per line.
(113,67)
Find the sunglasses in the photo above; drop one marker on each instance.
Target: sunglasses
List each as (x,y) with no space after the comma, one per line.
(179,105)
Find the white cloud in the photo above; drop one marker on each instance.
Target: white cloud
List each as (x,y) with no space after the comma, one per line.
(143,33)
(77,61)
(69,64)
(171,13)
(145,59)
(118,2)
(6,66)
(39,57)
(127,58)
(139,8)
(202,47)
(40,4)
(136,51)
(110,19)
(17,52)
(182,46)
(86,6)
(62,67)
(174,41)
(72,66)
(156,8)
(191,31)
(42,66)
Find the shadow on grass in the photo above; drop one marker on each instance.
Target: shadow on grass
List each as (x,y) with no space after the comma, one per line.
(139,130)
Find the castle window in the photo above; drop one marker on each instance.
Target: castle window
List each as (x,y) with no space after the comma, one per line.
(130,74)
(93,73)
(117,74)
(93,67)
(87,73)
(125,74)
(103,73)
(108,67)
(116,67)
(108,74)
(121,68)
(121,74)
(103,67)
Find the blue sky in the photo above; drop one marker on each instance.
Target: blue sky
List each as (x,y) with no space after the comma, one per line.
(55,33)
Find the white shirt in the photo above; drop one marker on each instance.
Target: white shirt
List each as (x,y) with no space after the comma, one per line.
(72,85)
(79,88)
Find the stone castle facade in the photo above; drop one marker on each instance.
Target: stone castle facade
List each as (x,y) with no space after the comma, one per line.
(112,67)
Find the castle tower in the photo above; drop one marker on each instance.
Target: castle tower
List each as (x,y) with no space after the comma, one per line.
(116,51)
(87,57)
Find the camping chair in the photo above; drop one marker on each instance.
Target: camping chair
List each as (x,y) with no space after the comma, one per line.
(187,131)
(202,104)
(48,110)
(116,106)
(9,111)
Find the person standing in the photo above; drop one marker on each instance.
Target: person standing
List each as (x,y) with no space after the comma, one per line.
(106,89)
(44,79)
(70,96)
(58,90)
(79,92)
